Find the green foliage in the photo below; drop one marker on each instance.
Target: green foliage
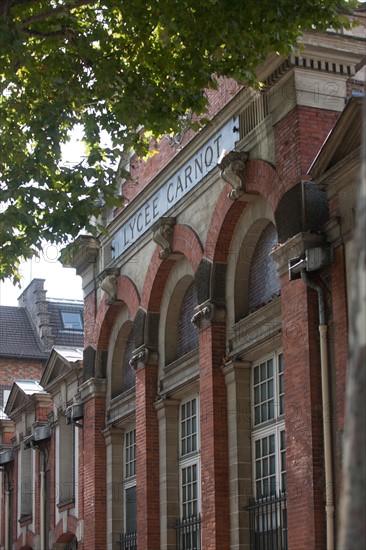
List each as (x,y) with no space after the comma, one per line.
(115,66)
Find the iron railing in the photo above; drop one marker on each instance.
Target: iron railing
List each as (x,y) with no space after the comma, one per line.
(268,523)
(128,541)
(188,532)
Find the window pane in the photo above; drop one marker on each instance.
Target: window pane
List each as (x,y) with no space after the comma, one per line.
(72,320)
(189,427)
(130,495)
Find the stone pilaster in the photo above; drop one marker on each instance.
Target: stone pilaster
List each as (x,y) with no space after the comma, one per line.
(237,378)
(168,413)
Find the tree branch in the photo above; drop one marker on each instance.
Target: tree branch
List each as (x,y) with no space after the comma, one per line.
(55,12)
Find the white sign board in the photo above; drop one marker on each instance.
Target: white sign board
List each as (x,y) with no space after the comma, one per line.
(170,193)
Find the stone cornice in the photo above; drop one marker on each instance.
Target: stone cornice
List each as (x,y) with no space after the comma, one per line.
(87,250)
(94,387)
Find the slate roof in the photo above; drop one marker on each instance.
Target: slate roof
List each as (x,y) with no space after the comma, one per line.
(18,338)
(62,336)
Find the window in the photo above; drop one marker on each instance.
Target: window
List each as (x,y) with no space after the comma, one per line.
(268,509)
(269,437)
(66,462)
(188,526)
(26,487)
(72,320)
(130,482)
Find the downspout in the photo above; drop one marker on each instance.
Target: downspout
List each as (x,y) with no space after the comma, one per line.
(323,329)
(42,499)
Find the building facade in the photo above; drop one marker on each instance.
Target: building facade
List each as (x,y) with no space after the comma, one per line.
(208,410)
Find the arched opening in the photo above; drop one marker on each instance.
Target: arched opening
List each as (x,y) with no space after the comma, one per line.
(180,335)
(256,280)
(264,282)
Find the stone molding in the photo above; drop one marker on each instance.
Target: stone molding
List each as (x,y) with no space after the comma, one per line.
(94,387)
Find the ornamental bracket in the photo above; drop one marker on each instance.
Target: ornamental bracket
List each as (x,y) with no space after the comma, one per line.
(163,231)
(108,283)
(143,356)
(232,166)
(207,313)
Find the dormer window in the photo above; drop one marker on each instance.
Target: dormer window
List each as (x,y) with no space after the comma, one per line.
(72,320)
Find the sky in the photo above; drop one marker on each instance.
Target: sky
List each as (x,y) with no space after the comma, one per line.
(60,282)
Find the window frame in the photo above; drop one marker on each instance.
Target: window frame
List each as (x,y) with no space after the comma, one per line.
(73,327)
(190,458)
(273,426)
(129,481)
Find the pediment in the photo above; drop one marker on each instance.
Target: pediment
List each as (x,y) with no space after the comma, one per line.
(20,393)
(61,362)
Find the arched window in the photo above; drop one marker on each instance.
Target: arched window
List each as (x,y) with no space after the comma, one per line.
(128,373)
(264,282)
(187,332)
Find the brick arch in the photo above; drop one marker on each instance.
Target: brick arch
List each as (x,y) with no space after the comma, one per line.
(60,535)
(128,293)
(186,242)
(29,541)
(222,226)
(261,179)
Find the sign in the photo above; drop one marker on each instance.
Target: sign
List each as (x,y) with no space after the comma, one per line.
(174,189)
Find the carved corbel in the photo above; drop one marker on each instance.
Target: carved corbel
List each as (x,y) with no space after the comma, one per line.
(232,168)
(208,312)
(143,356)
(108,283)
(163,235)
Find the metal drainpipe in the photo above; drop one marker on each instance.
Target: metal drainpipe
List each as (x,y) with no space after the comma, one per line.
(42,511)
(7,513)
(323,328)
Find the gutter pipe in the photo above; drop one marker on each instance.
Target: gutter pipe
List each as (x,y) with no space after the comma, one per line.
(324,367)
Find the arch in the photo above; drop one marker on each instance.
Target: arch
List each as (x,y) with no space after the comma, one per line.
(248,230)
(126,292)
(177,284)
(261,180)
(263,281)
(120,332)
(185,242)
(70,534)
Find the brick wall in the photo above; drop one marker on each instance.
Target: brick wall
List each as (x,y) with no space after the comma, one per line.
(303,413)
(12,369)
(214,438)
(94,475)
(143,172)
(147,459)
(298,138)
